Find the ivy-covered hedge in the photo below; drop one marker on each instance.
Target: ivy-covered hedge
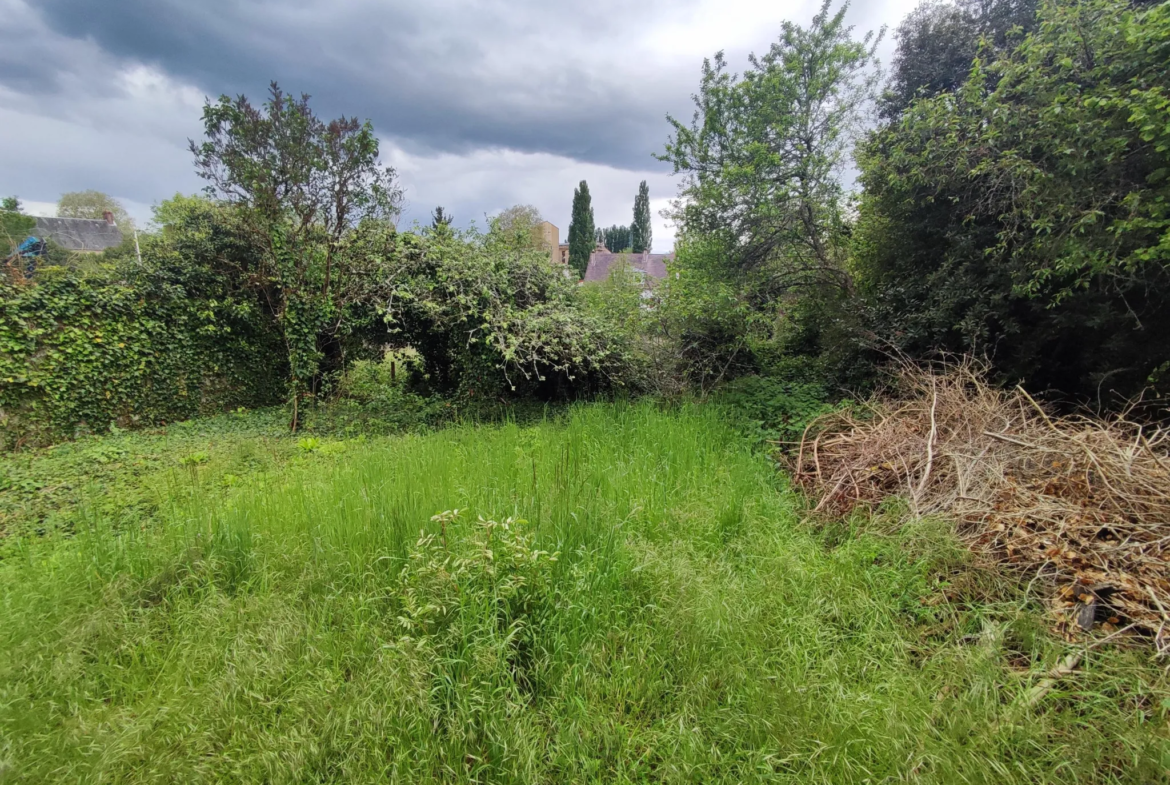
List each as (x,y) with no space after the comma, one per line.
(80,354)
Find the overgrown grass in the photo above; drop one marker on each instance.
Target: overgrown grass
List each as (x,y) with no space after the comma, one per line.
(126,477)
(663,615)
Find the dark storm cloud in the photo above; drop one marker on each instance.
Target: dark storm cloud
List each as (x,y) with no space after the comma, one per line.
(525,75)
(481,103)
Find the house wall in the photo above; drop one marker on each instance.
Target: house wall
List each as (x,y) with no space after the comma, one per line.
(549,238)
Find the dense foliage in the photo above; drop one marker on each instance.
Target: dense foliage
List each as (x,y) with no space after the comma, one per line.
(765,232)
(78,354)
(761,155)
(1013,204)
(1013,199)
(615,238)
(1025,214)
(302,186)
(938,41)
(492,317)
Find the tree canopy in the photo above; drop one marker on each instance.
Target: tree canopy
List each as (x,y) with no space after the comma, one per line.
(615,238)
(938,41)
(761,157)
(1025,213)
(92,205)
(302,186)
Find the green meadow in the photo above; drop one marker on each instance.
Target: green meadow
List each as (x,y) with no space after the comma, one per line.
(615,593)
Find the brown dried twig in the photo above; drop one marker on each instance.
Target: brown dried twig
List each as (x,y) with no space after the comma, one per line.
(1089,497)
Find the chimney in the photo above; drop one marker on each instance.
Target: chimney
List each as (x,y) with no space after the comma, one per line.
(109,217)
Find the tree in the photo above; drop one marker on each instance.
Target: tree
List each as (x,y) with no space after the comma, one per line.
(641,230)
(1025,214)
(762,154)
(440,218)
(615,238)
(15,226)
(581,230)
(93,205)
(302,187)
(517,227)
(518,220)
(937,43)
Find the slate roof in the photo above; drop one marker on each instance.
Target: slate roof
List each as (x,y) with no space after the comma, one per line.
(601,263)
(79,234)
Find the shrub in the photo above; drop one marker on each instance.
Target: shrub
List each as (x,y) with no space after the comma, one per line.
(777,408)
(379,396)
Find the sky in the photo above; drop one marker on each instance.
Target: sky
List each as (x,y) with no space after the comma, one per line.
(479,104)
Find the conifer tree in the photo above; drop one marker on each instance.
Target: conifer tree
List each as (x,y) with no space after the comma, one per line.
(582,233)
(615,238)
(641,231)
(440,218)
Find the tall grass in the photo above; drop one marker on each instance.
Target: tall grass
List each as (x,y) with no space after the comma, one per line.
(657,613)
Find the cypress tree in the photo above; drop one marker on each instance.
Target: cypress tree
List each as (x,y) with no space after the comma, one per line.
(641,231)
(582,233)
(615,238)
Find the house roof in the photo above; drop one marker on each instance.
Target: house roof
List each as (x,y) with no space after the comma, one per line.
(601,264)
(79,234)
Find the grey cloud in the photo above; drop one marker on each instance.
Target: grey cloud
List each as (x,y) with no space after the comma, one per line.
(525,75)
(484,104)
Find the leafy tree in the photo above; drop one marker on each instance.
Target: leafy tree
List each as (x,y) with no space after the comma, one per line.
(93,205)
(642,230)
(301,186)
(518,224)
(760,210)
(14,225)
(762,153)
(581,230)
(1025,214)
(938,41)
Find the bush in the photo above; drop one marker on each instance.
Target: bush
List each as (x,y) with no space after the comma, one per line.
(778,408)
(380,396)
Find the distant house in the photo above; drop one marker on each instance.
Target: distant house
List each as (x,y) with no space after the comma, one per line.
(650,266)
(548,237)
(82,235)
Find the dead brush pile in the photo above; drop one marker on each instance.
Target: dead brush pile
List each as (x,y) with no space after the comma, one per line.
(1084,502)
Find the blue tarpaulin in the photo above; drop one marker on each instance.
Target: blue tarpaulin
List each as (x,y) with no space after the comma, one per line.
(32,246)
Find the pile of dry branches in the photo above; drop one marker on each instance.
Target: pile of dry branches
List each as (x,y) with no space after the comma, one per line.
(1083,501)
